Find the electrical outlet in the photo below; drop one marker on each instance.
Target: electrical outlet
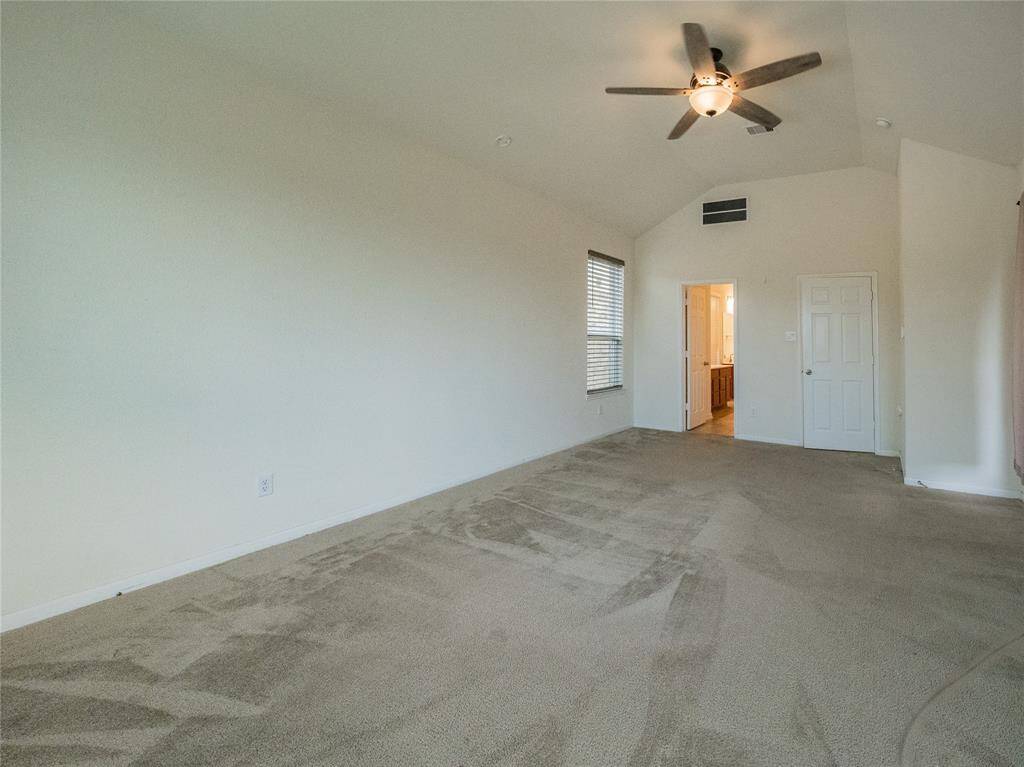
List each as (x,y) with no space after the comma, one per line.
(753,412)
(265,485)
(600,409)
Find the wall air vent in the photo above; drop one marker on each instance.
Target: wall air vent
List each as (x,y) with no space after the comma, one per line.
(723,211)
(757,130)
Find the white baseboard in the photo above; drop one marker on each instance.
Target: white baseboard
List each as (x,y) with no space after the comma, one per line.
(994,492)
(656,427)
(772,440)
(124,585)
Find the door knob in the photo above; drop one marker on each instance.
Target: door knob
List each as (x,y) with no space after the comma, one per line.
(808,372)
(706,364)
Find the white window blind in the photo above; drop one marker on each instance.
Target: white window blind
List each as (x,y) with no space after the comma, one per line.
(604,322)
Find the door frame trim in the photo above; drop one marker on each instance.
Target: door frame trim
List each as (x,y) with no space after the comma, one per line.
(681,345)
(876,367)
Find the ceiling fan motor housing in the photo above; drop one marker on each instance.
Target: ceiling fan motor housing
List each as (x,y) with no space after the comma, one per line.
(722,72)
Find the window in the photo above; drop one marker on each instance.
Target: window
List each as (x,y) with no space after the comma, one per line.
(604,322)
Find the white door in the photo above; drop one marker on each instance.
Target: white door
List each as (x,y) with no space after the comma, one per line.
(838,363)
(698,368)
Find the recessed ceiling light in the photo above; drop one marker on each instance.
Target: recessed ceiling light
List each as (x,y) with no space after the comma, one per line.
(503,140)
(881,122)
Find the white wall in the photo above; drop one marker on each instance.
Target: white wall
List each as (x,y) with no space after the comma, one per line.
(958,234)
(839,221)
(206,279)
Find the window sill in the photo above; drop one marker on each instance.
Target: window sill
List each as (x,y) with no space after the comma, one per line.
(608,393)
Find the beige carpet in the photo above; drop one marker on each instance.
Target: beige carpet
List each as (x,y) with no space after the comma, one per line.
(648,599)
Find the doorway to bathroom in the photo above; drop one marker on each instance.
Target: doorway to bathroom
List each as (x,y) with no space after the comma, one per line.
(709,357)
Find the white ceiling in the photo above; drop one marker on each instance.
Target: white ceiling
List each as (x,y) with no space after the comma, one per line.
(456,75)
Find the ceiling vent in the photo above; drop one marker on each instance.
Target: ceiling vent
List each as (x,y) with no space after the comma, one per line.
(757,130)
(723,211)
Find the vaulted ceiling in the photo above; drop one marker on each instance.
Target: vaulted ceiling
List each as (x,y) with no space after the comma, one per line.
(456,75)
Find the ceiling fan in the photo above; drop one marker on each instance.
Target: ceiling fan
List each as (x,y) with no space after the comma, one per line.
(713,89)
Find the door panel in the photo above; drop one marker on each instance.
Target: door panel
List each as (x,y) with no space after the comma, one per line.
(838,363)
(851,338)
(821,392)
(821,336)
(697,346)
(853,395)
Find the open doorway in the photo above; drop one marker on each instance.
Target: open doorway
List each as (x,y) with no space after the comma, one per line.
(709,357)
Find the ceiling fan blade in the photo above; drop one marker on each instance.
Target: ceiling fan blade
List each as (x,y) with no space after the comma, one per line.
(699,51)
(777,70)
(753,112)
(651,91)
(684,124)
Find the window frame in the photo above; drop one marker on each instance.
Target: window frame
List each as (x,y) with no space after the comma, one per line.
(621,265)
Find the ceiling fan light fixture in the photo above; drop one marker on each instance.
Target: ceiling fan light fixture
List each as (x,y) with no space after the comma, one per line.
(713,88)
(711,100)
